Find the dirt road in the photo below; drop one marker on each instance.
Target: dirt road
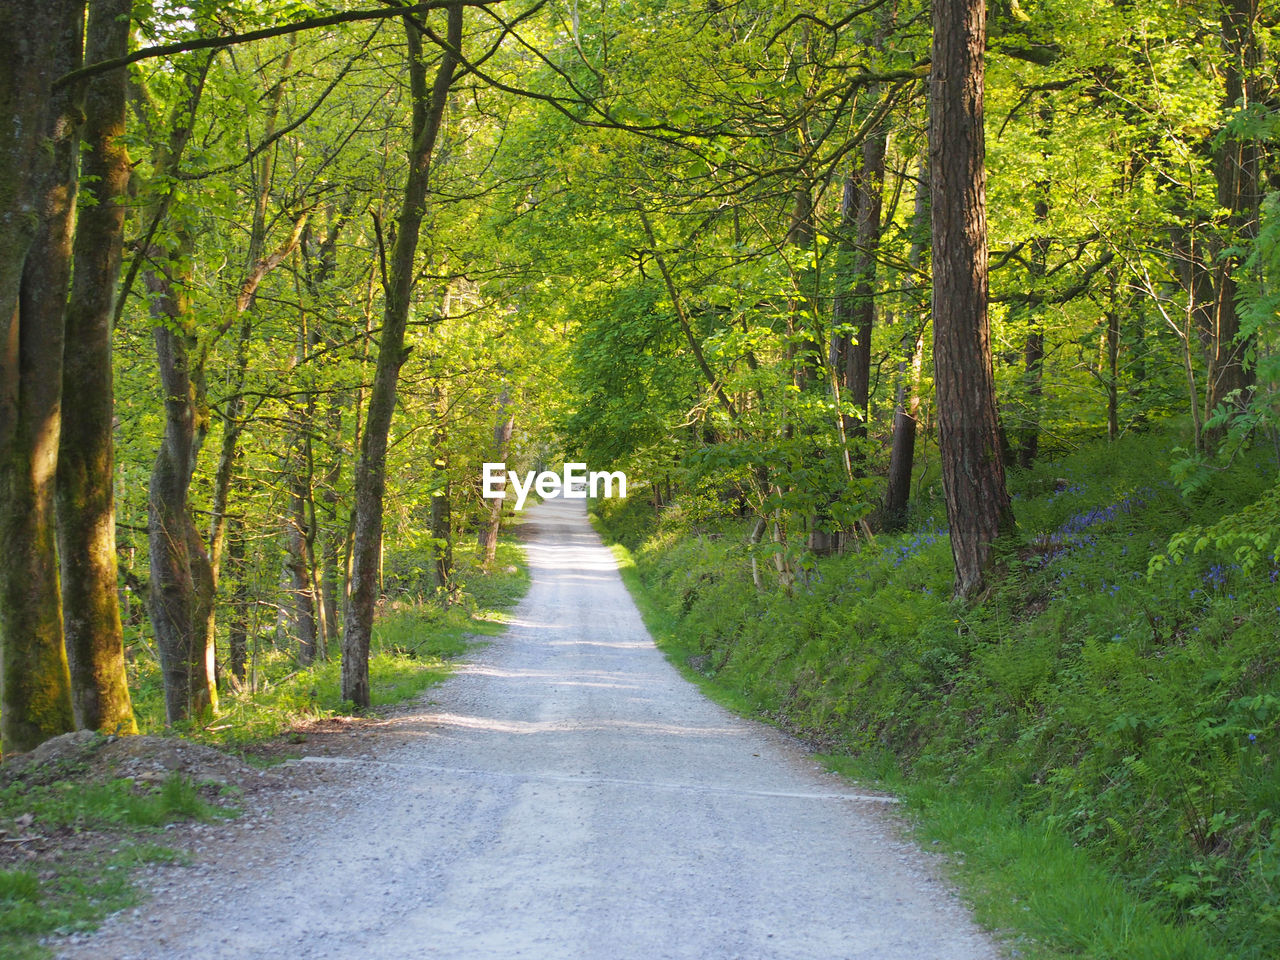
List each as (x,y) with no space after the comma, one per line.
(566,796)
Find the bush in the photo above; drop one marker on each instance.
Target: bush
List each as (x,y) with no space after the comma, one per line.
(1130,713)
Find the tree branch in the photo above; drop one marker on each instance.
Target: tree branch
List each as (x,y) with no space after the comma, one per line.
(232,39)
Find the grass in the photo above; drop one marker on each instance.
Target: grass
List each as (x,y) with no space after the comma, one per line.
(1041,893)
(415,639)
(75,891)
(1026,881)
(74,899)
(74,805)
(1095,743)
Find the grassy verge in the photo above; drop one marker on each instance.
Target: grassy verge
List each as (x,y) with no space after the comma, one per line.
(414,642)
(1095,745)
(81,882)
(1041,894)
(105,830)
(73,900)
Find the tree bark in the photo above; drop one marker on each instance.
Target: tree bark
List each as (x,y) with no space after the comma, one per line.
(237,629)
(256,267)
(907,391)
(39,143)
(300,537)
(184,576)
(869,184)
(181,588)
(442,503)
(978,506)
(428,112)
(488,540)
(182,584)
(1033,346)
(334,532)
(842,309)
(1237,164)
(86,469)
(1113,373)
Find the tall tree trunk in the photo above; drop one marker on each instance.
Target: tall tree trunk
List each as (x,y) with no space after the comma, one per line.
(231,415)
(428,111)
(1237,164)
(319,263)
(869,184)
(1033,374)
(441,502)
(906,414)
(1113,373)
(299,555)
(843,309)
(804,353)
(86,468)
(907,390)
(301,587)
(488,540)
(181,587)
(978,506)
(333,535)
(181,574)
(237,629)
(1033,346)
(39,143)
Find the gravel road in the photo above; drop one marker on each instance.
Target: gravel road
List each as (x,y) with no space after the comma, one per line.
(565,796)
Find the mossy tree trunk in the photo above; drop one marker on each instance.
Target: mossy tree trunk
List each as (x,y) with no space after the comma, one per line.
(868,182)
(39,141)
(238,628)
(1033,348)
(1237,168)
(85,494)
(300,550)
(182,584)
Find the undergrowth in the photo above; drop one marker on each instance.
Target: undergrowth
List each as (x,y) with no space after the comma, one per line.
(74,891)
(73,899)
(75,806)
(415,638)
(1126,721)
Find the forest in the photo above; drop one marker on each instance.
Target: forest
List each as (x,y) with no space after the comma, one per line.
(937,343)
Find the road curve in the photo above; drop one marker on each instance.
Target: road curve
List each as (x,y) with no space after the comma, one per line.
(565,796)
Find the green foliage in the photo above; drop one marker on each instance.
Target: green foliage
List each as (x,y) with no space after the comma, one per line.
(75,891)
(1033,883)
(1250,533)
(115,803)
(1128,716)
(73,898)
(414,640)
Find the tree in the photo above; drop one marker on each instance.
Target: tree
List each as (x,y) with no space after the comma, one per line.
(907,388)
(86,455)
(978,507)
(39,147)
(428,113)
(505,423)
(1238,169)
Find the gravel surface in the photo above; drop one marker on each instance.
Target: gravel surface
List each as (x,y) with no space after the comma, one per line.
(565,796)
